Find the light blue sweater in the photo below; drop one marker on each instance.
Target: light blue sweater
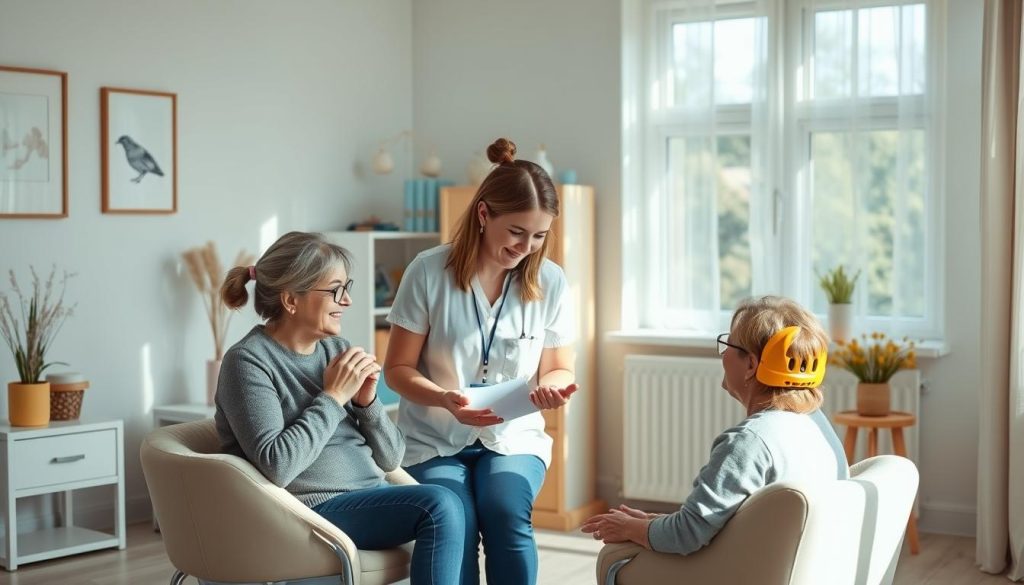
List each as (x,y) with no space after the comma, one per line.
(765,448)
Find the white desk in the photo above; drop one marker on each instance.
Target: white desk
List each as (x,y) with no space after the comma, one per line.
(59,458)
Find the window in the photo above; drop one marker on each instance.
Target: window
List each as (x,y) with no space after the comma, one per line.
(776,140)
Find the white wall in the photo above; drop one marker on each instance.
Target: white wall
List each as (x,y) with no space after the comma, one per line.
(550,72)
(280,106)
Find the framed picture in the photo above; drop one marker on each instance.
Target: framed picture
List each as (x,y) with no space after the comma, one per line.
(139,150)
(33,143)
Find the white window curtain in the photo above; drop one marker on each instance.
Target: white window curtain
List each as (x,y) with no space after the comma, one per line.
(766,140)
(1001,390)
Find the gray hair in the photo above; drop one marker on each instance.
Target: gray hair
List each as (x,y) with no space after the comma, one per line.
(296,262)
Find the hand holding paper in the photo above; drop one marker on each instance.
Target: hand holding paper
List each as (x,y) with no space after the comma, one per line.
(507,400)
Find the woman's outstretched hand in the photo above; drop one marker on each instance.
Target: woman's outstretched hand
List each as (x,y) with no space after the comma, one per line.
(618,526)
(547,397)
(456,403)
(347,374)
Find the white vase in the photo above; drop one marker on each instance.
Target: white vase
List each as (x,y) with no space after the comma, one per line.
(212,376)
(431,165)
(544,162)
(840,317)
(478,168)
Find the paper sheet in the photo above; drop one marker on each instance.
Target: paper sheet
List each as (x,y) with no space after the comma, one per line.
(508,400)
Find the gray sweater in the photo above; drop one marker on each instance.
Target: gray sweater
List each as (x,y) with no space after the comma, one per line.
(271,409)
(766,447)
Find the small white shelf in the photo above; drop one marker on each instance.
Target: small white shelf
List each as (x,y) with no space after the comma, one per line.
(383,235)
(51,543)
(381,311)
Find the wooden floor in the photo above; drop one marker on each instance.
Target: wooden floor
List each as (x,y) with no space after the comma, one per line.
(565,559)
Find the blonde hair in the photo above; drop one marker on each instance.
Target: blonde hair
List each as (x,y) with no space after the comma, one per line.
(294,263)
(756,321)
(513,186)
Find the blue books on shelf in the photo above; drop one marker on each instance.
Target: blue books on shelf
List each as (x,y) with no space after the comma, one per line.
(408,216)
(421,204)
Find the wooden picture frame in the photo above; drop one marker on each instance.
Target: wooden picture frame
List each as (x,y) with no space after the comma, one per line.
(139,151)
(33,143)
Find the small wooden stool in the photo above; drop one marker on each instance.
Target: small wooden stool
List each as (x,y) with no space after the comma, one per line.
(894,421)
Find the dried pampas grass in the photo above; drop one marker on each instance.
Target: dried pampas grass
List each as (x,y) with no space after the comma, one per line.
(207,273)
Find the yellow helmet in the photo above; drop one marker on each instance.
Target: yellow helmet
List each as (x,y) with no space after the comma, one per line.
(778,369)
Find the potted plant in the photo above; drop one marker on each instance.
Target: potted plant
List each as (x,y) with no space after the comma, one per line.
(838,287)
(29,326)
(207,274)
(874,360)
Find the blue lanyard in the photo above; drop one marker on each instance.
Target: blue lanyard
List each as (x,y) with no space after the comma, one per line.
(486,344)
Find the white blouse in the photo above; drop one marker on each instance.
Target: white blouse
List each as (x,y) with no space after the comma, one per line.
(430,303)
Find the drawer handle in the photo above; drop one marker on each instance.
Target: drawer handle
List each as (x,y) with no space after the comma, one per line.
(68,459)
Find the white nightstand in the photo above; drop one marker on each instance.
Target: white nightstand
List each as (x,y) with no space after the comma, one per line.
(173,414)
(59,458)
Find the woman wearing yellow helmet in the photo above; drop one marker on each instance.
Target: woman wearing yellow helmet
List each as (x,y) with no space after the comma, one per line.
(774,359)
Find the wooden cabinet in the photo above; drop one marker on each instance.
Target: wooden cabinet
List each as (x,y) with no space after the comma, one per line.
(568,495)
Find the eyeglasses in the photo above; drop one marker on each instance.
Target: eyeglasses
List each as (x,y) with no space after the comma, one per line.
(723,344)
(338,293)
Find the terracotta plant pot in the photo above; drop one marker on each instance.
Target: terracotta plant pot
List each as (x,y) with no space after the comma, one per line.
(28,405)
(873,399)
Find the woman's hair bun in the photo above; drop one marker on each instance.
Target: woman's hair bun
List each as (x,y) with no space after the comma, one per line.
(502,151)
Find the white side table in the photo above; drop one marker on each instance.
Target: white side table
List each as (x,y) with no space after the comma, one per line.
(173,414)
(59,458)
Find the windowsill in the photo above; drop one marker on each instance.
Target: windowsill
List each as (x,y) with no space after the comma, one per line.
(927,349)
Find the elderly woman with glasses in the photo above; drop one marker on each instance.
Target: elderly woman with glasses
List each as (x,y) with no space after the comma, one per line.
(300,404)
(774,359)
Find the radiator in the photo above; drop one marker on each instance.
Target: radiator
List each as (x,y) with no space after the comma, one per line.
(675,407)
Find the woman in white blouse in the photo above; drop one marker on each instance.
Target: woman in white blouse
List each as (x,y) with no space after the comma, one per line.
(485,309)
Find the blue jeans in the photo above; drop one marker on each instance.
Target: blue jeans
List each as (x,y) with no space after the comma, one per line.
(385,517)
(497,492)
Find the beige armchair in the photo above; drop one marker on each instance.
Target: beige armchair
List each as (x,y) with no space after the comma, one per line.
(839,532)
(222,520)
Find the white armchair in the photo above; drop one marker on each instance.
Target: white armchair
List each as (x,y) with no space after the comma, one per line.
(840,532)
(223,521)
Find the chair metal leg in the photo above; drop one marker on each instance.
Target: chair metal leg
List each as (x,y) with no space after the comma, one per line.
(178,578)
(613,571)
(347,578)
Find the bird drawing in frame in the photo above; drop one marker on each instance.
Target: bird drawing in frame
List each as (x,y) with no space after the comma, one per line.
(139,158)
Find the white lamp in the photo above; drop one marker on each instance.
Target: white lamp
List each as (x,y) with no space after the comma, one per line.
(383,163)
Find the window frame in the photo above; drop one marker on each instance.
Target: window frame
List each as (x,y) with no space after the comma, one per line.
(645,148)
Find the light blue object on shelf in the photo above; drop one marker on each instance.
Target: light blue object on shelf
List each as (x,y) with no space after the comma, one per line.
(409,212)
(422,198)
(421,205)
(430,206)
(567,177)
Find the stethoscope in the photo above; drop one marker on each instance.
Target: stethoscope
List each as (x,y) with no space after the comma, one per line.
(487,341)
